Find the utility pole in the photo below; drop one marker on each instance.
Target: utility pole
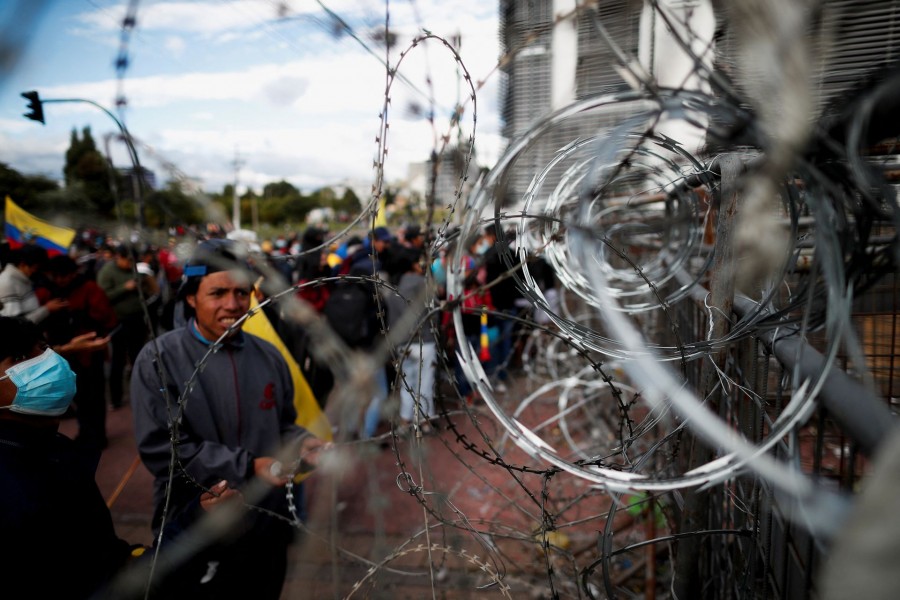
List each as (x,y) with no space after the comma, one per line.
(254,211)
(237,163)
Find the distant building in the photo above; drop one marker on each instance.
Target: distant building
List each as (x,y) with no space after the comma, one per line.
(450,179)
(417,178)
(320,216)
(129,179)
(554,55)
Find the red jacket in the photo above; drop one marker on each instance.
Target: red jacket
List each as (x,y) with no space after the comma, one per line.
(89,310)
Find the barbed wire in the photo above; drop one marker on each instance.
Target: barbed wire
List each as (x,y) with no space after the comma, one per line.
(626,217)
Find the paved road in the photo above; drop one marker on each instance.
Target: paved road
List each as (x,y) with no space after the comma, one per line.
(362,514)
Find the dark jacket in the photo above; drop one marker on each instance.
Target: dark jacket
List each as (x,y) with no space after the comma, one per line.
(89,310)
(503,293)
(56,533)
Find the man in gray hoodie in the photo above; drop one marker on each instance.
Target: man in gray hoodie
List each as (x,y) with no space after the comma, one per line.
(234,395)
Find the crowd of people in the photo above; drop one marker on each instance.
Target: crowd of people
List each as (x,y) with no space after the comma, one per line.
(383,291)
(76,331)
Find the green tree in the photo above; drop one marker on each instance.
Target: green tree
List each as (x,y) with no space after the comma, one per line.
(296,208)
(280,189)
(26,191)
(348,203)
(73,200)
(86,166)
(171,206)
(323,197)
(282,202)
(272,210)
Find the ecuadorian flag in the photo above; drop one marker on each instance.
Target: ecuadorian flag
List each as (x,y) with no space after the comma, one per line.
(23,227)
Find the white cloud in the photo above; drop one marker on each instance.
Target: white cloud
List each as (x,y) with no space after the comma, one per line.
(17,126)
(176,17)
(209,19)
(249,85)
(43,156)
(296,102)
(175,45)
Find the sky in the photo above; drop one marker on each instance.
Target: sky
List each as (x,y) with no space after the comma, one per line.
(272,87)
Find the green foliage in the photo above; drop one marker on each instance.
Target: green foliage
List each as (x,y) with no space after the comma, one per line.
(348,203)
(280,189)
(324,197)
(641,503)
(282,203)
(24,190)
(86,166)
(271,210)
(87,198)
(297,208)
(73,200)
(171,206)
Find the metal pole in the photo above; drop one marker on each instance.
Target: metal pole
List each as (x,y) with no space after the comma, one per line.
(694,517)
(860,412)
(235,200)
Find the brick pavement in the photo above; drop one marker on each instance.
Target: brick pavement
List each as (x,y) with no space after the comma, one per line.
(358,515)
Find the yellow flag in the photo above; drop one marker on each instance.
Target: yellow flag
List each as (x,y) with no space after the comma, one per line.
(22,227)
(381,215)
(309,414)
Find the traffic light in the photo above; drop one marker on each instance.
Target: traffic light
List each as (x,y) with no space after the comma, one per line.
(36,109)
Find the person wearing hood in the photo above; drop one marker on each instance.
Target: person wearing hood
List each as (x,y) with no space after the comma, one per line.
(234,396)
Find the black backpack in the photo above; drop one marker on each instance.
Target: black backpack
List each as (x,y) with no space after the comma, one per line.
(349,313)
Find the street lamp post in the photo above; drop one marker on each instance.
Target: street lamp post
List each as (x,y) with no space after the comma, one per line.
(36,113)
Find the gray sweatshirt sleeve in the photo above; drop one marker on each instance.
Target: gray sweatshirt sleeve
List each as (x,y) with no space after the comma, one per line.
(206,461)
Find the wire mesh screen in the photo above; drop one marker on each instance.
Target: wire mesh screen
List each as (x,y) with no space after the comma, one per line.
(774,557)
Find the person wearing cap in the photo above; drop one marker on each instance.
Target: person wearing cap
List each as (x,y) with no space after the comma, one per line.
(57,534)
(236,422)
(153,282)
(390,252)
(363,320)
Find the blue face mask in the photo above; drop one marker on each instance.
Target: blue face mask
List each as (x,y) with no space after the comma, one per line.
(45,385)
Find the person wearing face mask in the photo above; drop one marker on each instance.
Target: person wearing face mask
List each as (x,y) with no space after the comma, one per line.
(56,533)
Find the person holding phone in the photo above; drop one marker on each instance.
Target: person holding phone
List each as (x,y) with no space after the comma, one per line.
(88,310)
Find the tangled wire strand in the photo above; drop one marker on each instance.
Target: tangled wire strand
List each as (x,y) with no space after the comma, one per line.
(631,220)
